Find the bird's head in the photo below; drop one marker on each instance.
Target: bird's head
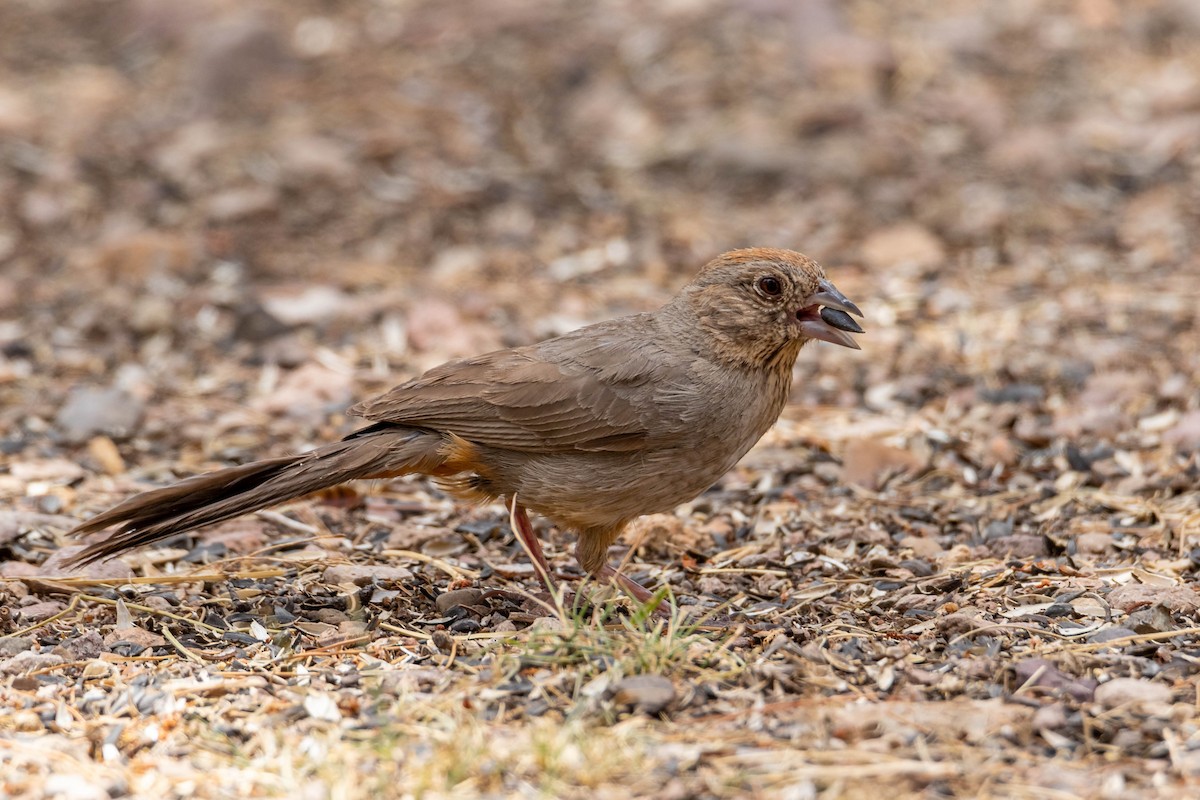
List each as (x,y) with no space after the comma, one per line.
(761,305)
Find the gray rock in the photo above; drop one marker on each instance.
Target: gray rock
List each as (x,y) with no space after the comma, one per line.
(28,661)
(458,597)
(649,694)
(1131,691)
(362,574)
(10,646)
(90,412)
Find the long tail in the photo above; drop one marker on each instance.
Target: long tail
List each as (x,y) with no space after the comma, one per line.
(378,451)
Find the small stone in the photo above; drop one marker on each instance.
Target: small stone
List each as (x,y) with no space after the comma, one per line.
(1003,450)
(1154,619)
(104,451)
(350,628)
(649,694)
(329,616)
(96,668)
(1051,717)
(39,611)
(109,568)
(322,706)
(827,472)
(1132,596)
(134,635)
(1046,674)
(1131,691)
(237,204)
(50,503)
(514,570)
(1111,634)
(304,157)
(444,546)
(90,412)
(457,597)
(28,661)
(14,524)
(362,574)
(1094,542)
(1019,545)
(921,546)
(305,305)
(10,646)
(1185,434)
(547,624)
(86,646)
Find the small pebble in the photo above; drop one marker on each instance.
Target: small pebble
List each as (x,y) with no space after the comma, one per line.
(457,597)
(650,694)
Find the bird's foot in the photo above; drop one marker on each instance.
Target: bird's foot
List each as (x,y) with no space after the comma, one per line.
(638,592)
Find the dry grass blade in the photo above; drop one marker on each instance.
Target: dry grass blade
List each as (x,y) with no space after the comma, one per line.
(441,564)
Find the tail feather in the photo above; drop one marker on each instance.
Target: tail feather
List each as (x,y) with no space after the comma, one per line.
(218,496)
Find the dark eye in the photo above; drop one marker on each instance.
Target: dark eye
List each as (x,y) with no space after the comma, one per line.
(770,286)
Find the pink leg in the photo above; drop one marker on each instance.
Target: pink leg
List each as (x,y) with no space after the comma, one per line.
(524,529)
(635,589)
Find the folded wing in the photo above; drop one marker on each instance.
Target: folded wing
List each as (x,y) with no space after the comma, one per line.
(572,393)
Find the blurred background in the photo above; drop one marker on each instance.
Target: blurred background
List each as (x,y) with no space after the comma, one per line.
(217,213)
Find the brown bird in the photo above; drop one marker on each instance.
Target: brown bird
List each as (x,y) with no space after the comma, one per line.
(591,429)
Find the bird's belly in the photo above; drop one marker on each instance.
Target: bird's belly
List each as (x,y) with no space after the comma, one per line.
(589,489)
(593,490)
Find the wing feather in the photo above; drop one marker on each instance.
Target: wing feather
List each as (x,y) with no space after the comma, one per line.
(576,392)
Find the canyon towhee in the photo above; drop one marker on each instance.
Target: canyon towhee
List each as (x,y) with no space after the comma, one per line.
(591,429)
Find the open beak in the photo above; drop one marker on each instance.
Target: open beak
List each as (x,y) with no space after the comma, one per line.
(827,317)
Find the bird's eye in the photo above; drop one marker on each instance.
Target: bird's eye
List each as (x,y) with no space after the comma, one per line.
(770,286)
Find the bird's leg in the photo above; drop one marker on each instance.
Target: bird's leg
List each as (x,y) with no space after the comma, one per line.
(591,550)
(635,590)
(521,526)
